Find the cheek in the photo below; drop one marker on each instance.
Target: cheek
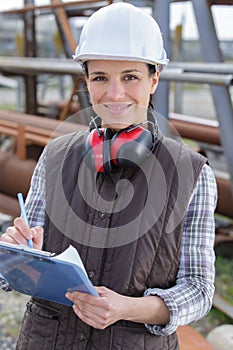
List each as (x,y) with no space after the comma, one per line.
(91,91)
(94,95)
(143,95)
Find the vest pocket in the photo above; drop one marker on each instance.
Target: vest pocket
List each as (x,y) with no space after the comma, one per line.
(135,338)
(39,328)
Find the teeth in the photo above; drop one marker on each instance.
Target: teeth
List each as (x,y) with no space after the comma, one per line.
(116,108)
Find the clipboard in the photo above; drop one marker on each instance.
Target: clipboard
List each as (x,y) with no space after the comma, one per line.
(43,274)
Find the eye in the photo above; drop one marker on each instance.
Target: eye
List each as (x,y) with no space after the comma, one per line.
(130,77)
(99,78)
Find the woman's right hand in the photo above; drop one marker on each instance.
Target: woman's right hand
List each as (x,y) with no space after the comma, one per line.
(20,233)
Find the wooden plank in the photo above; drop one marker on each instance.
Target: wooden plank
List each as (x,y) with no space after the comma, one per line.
(21,143)
(40,122)
(190,339)
(8,131)
(30,129)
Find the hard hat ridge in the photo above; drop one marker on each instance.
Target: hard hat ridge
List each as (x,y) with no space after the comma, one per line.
(121,31)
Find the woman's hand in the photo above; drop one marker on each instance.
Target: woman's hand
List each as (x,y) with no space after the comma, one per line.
(110,307)
(20,233)
(98,312)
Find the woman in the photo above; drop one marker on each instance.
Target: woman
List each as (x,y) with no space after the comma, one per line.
(138,207)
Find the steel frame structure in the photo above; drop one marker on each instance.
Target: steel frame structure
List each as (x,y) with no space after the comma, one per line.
(211,53)
(219,85)
(212,71)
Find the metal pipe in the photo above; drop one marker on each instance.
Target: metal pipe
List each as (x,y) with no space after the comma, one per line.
(195,128)
(161,12)
(20,66)
(213,79)
(221,95)
(218,68)
(36,66)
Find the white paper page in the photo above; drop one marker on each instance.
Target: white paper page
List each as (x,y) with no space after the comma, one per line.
(71,255)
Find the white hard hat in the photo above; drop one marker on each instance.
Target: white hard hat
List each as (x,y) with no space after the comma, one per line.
(121,31)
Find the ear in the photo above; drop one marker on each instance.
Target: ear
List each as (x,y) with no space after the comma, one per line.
(154,82)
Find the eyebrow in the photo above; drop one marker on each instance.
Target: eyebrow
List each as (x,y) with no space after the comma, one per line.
(123,72)
(131,70)
(97,72)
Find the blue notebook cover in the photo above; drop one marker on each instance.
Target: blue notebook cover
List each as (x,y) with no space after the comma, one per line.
(42,274)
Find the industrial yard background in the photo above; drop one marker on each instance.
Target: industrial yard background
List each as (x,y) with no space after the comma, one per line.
(186,98)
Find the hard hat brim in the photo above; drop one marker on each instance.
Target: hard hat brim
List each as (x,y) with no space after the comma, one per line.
(87,57)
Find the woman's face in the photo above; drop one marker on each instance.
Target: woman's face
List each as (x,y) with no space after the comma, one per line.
(120,91)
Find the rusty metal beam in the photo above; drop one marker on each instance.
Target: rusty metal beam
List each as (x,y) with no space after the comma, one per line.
(53,6)
(221,94)
(211,2)
(196,129)
(12,118)
(206,131)
(225,199)
(30,51)
(66,34)
(184,127)
(220,2)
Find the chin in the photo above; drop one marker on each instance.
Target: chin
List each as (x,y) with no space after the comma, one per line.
(116,126)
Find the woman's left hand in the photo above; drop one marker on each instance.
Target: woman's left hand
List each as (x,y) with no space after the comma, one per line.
(98,312)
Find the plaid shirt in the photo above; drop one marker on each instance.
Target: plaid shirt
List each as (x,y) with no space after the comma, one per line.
(191,298)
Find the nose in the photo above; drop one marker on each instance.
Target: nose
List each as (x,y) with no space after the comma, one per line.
(115,90)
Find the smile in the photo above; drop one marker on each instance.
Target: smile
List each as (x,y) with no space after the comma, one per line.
(117,108)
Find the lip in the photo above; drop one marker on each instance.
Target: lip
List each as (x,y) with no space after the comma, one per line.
(117,108)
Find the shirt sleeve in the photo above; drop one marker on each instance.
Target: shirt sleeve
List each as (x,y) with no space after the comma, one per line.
(191,297)
(35,201)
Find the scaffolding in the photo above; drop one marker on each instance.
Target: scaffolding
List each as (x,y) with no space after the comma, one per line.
(212,71)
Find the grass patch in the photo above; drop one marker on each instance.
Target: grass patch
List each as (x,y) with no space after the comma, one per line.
(224,287)
(214,319)
(224,278)
(7,107)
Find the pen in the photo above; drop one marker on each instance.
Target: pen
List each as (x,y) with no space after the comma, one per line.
(24,215)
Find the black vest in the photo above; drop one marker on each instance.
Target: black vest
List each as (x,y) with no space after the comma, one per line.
(127,227)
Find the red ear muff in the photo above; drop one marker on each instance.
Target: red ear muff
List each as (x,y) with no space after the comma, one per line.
(96,153)
(93,150)
(131,146)
(126,148)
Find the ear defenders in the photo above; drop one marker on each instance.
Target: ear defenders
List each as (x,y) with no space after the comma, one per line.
(104,149)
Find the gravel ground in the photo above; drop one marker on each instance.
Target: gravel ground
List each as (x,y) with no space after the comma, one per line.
(12,306)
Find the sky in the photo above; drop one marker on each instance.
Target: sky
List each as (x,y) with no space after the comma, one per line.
(181,13)
(223,18)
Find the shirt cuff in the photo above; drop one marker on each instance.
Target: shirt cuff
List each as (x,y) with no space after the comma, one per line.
(170,327)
